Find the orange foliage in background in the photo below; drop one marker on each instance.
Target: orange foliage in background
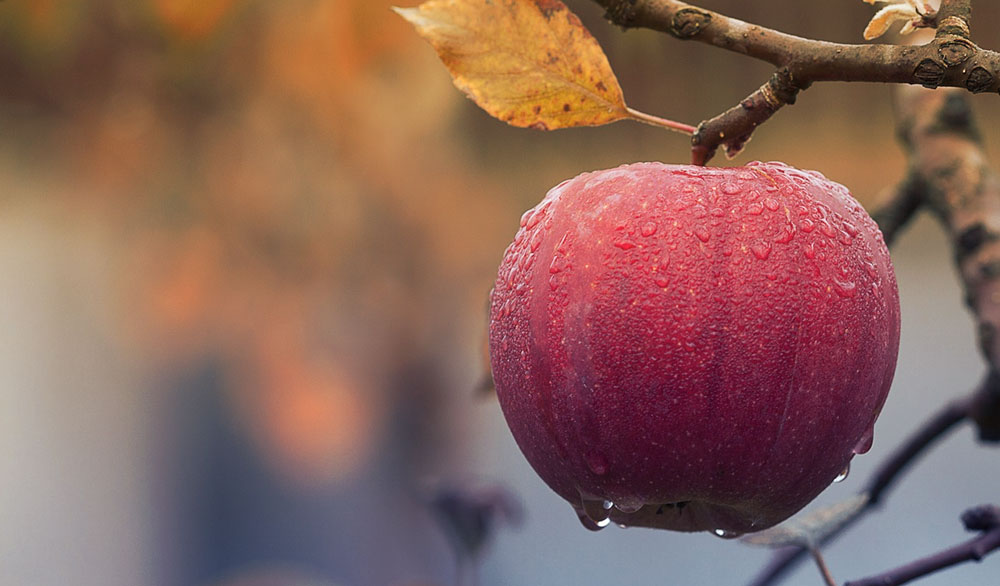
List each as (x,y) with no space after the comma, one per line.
(282,191)
(193,19)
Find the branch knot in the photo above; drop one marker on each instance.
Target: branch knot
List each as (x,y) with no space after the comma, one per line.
(622,13)
(929,73)
(981,518)
(956,51)
(979,80)
(688,22)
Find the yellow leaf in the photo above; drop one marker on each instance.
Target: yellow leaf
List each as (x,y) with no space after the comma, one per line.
(530,63)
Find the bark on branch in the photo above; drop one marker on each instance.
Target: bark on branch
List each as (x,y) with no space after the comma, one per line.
(950,174)
(951,59)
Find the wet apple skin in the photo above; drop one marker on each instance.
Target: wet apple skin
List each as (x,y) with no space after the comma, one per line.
(706,348)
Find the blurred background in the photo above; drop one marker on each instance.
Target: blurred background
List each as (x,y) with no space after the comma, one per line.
(245,251)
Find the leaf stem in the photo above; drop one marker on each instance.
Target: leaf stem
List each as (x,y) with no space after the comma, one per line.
(661,122)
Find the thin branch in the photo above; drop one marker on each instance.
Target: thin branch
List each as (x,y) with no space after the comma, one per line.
(824,569)
(897,208)
(732,129)
(957,14)
(951,59)
(985,518)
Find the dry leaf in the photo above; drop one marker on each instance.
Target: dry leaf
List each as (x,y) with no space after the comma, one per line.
(530,63)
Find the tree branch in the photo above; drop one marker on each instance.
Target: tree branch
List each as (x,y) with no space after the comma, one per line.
(984,518)
(897,208)
(951,59)
(950,174)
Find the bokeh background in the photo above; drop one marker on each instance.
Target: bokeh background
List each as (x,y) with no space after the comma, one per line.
(245,249)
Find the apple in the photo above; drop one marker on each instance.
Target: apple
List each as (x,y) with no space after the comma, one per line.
(694,348)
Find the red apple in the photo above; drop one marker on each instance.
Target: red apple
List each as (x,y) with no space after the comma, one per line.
(694,348)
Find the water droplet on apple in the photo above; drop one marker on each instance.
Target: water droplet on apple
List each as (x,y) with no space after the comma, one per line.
(843,473)
(809,250)
(536,240)
(533,219)
(595,511)
(563,243)
(827,229)
(755,209)
(648,229)
(866,441)
(628,507)
(662,282)
(845,289)
(726,534)
(807,225)
(625,245)
(702,234)
(730,188)
(771,204)
(597,463)
(761,250)
(786,235)
(589,523)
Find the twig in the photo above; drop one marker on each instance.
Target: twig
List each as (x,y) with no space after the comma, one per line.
(951,59)
(985,518)
(897,208)
(824,569)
